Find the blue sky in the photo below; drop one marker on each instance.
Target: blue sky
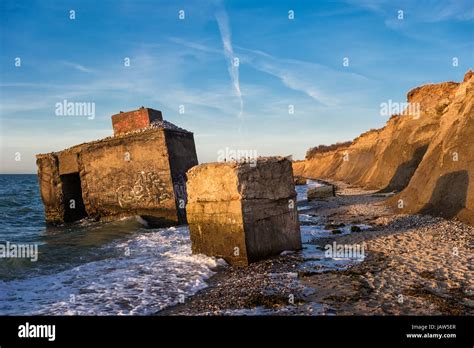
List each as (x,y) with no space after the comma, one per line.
(188,62)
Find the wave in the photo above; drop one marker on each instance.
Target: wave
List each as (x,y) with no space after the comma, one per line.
(151,271)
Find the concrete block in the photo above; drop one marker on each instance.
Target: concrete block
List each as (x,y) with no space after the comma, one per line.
(243,212)
(300,180)
(321,192)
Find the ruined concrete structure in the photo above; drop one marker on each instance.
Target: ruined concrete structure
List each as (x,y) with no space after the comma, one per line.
(321,192)
(141,170)
(243,212)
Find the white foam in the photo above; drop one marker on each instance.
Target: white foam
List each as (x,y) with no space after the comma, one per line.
(159,271)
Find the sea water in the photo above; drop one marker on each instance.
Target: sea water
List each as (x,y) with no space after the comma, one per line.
(113,268)
(91,268)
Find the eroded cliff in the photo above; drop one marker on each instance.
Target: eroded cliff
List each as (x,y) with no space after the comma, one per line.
(427,156)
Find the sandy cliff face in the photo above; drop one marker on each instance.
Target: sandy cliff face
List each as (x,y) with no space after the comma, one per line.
(442,184)
(412,152)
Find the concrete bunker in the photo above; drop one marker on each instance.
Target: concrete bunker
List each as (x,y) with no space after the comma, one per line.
(141,170)
(243,212)
(74,208)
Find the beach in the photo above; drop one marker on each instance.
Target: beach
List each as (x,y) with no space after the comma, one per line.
(414,265)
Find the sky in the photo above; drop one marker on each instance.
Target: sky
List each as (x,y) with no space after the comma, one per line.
(270,77)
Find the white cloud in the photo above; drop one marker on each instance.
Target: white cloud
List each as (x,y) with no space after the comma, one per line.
(195,45)
(310,78)
(421,10)
(323,84)
(78,67)
(224,29)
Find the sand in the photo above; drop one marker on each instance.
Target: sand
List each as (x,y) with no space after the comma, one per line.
(415,265)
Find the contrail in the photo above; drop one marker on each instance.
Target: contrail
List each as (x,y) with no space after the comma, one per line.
(224,28)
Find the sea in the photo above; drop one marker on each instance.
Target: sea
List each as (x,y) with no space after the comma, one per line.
(89,267)
(102,268)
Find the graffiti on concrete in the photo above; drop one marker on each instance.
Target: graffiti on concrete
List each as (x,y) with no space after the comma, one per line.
(180,191)
(147,190)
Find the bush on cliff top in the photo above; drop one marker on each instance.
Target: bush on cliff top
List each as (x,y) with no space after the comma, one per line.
(325,148)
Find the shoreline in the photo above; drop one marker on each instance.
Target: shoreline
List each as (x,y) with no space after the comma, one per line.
(415,265)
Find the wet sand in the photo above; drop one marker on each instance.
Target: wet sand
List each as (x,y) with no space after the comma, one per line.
(413,265)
